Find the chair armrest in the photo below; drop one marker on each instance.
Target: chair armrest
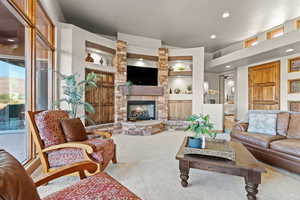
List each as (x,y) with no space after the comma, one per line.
(89,148)
(70,169)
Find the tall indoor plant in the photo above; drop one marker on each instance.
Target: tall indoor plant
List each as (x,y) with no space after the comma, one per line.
(201,126)
(74,92)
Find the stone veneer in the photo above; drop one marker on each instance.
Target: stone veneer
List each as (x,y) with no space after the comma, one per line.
(120,80)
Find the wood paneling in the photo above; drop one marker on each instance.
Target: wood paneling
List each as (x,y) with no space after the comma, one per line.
(141,56)
(180,110)
(102,98)
(100,47)
(174,58)
(264,87)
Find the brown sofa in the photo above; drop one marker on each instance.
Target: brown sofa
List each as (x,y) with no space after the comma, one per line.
(281,150)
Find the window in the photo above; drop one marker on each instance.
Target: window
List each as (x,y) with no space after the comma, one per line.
(251,42)
(294,65)
(275,33)
(294,86)
(298,24)
(25,75)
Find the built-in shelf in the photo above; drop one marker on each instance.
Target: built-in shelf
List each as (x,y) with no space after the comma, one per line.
(180,97)
(142,90)
(100,67)
(180,73)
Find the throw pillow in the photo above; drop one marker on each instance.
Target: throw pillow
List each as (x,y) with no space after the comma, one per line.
(74,130)
(264,123)
(48,124)
(294,127)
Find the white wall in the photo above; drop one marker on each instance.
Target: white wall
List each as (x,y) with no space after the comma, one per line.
(54,11)
(135,40)
(242,85)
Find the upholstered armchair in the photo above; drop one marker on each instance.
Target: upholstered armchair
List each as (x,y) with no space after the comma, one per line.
(55,151)
(16,184)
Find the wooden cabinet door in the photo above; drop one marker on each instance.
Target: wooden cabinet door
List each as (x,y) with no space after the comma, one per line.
(264,87)
(102,98)
(180,110)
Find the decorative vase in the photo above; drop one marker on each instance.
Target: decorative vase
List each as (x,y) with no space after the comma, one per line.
(101,61)
(195,142)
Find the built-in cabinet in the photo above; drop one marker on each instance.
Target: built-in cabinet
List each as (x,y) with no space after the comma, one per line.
(180,109)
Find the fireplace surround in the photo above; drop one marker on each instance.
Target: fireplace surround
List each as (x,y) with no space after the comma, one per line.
(141,110)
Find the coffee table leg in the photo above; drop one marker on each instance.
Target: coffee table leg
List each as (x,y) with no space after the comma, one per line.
(252,182)
(184,172)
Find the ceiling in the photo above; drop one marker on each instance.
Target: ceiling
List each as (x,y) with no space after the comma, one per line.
(181,23)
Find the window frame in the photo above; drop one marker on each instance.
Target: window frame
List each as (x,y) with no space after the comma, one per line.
(249,42)
(298,24)
(28,18)
(273,32)
(290,64)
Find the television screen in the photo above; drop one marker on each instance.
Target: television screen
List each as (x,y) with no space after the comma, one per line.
(142,75)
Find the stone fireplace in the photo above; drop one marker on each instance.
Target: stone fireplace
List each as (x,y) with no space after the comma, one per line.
(141,110)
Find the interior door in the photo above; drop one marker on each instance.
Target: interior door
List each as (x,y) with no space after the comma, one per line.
(264,87)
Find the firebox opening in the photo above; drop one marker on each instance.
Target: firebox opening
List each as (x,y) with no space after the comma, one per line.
(140,110)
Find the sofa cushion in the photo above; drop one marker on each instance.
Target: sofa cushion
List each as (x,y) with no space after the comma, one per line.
(283,123)
(73,129)
(259,139)
(48,124)
(289,146)
(264,123)
(15,183)
(294,126)
(99,186)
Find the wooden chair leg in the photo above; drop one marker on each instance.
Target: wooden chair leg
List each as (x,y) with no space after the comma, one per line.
(114,159)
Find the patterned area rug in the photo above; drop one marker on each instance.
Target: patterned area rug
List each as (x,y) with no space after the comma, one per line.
(147,166)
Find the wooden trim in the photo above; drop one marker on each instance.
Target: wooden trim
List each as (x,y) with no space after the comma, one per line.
(249,42)
(180,73)
(176,58)
(100,47)
(290,64)
(33,165)
(289,86)
(141,56)
(270,34)
(18,12)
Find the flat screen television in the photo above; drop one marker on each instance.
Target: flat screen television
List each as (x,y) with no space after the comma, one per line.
(142,75)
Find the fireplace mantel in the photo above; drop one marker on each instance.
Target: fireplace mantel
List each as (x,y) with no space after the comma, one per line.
(136,90)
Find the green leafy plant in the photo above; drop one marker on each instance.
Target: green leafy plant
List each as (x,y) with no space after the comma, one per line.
(73,94)
(181,68)
(201,125)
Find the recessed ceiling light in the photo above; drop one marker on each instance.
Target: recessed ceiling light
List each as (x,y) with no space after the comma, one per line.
(10,40)
(213,36)
(290,50)
(228,66)
(225,14)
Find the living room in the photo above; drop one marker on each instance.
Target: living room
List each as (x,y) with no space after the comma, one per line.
(145,100)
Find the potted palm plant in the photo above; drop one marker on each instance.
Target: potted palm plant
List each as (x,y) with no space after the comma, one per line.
(201,126)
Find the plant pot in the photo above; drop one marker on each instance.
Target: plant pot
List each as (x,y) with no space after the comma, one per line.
(195,142)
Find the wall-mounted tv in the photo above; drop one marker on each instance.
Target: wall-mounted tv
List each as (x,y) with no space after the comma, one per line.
(142,75)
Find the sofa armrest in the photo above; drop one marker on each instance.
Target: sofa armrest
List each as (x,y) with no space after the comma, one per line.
(79,167)
(241,127)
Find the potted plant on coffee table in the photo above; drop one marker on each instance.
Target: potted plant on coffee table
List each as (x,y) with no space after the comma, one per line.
(201,126)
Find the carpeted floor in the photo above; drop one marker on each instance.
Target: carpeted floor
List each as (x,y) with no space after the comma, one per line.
(147,166)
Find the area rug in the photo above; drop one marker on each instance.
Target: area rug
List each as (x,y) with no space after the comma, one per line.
(147,166)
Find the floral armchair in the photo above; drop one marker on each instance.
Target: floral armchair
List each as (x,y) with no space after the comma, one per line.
(53,149)
(16,184)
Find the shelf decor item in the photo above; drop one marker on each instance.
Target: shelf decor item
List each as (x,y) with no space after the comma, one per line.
(201,126)
(101,61)
(89,58)
(177,91)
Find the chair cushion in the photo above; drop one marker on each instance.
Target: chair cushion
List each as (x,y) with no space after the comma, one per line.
(48,123)
(259,139)
(294,126)
(264,123)
(104,153)
(73,129)
(100,186)
(15,183)
(283,123)
(289,146)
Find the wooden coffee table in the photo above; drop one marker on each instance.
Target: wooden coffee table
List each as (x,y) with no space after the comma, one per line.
(245,166)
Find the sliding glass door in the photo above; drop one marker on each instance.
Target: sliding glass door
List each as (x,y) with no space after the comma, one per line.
(13,99)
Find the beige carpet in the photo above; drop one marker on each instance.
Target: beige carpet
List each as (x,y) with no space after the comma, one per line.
(147,166)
